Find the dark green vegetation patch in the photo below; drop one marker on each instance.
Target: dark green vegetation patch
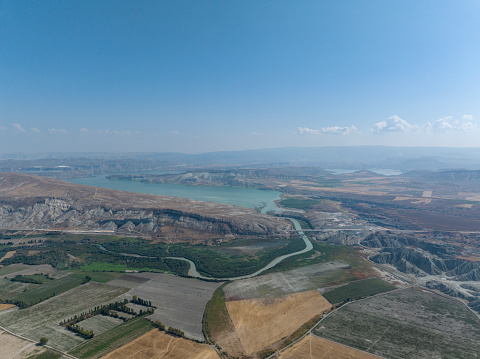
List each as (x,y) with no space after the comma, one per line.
(104,343)
(299,203)
(119,254)
(408,323)
(42,292)
(357,289)
(216,318)
(325,252)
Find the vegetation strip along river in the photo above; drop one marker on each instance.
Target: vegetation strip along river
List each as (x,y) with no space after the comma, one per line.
(193,269)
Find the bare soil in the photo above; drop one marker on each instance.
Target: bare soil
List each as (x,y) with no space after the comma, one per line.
(260,323)
(12,347)
(315,348)
(158,345)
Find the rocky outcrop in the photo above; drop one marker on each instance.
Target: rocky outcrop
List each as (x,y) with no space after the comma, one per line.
(421,258)
(31,202)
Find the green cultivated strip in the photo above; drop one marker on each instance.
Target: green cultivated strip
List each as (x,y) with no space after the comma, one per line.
(216,318)
(101,277)
(104,343)
(357,289)
(42,292)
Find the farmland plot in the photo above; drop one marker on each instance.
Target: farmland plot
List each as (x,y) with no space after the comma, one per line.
(318,348)
(24,269)
(158,345)
(180,301)
(9,288)
(99,323)
(42,320)
(281,283)
(406,324)
(260,323)
(12,347)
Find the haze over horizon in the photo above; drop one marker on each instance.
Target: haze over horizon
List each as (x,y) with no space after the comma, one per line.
(195,77)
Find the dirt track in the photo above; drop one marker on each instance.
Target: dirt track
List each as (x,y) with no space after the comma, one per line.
(262,322)
(319,348)
(158,345)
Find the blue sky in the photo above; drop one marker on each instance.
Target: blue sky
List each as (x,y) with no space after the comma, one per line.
(197,76)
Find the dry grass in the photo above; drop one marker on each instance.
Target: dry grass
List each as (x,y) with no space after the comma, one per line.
(9,254)
(158,345)
(5,306)
(12,347)
(319,348)
(260,323)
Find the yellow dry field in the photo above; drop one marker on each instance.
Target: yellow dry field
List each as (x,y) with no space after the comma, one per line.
(8,255)
(158,345)
(5,306)
(261,322)
(12,347)
(422,201)
(318,348)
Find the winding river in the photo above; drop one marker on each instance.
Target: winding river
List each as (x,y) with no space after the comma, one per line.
(193,268)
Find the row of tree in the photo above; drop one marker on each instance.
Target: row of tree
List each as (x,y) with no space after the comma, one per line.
(171,330)
(85,334)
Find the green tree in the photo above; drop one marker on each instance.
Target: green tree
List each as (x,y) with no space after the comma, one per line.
(43,341)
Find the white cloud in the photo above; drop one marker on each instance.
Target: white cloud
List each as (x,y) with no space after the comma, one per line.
(18,127)
(84,130)
(308,131)
(332,130)
(61,131)
(257,133)
(337,130)
(448,123)
(394,124)
(35,130)
(3,128)
(175,132)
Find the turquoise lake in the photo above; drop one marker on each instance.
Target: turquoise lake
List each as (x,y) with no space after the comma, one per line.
(238,196)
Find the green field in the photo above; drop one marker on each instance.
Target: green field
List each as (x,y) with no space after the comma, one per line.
(325,252)
(357,289)
(113,339)
(44,291)
(12,269)
(216,318)
(101,277)
(32,278)
(298,203)
(9,289)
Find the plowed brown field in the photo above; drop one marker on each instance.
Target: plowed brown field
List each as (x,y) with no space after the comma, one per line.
(260,323)
(158,345)
(318,348)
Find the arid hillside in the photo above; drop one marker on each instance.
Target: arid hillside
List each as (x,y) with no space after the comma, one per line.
(32,202)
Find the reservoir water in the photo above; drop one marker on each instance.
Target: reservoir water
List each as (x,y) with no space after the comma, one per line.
(238,196)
